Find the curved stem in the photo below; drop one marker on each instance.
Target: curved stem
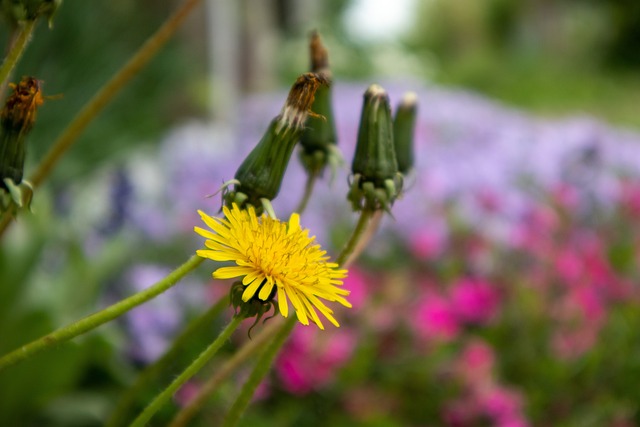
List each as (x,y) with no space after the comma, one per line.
(263,365)
(183,417)
(92,108)
(150,372)
(359,238)
(17,49)
(308,189)
(93,321)
(191,370)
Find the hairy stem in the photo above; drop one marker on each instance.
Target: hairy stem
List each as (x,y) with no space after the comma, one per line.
(153,370)
(365,229)
(93,321)
(191,370)
(308,190)
(23,36)
(185,415)
(263,365)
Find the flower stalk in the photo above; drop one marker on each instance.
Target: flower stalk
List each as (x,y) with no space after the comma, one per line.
(153,370)
(239,357)
(24,32)
(262,367)
(97,319)
(191,370)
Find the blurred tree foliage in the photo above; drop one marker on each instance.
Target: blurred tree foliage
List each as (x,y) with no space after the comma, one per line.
(551,56)
(605,32)
(89,42)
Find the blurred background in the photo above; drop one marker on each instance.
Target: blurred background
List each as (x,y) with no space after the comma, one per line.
(503,290)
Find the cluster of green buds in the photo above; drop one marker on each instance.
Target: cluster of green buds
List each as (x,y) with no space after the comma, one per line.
(254,307)
(258,179)
(376,182)
(319,140)
(16,120)
(17,11)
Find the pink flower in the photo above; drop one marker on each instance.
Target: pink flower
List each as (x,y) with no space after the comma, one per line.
(475,364)
(474,301)
(426,243)
(630,197)
(356,283)
(435,318)
(310,359)
(504,406)
(566,196)
(569,265)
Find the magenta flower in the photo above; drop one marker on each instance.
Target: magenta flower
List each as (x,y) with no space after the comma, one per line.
(475,365)
(435,318)
(310,360)
(427,243)
(503,406)
(356,283)
(474,301)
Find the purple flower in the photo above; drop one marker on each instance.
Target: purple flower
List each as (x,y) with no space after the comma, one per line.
(309,360)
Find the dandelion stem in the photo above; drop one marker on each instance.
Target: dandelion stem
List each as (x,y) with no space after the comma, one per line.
(183,417)
(191,370)
(365,228)
(308,189)
(18,47)
(262,367)
(153,370)
(95,105)
(93,321)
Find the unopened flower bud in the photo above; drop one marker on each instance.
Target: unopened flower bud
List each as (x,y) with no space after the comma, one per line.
(318,141)
(403,130)
(260,176)
(376,181)
(16,120)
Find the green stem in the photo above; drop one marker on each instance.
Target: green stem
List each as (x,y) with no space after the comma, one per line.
(93,321)
(17,49)
(308,190)
(92,108)
(183,417)
(191,370)
(153,370)
(356,242)
(263,365)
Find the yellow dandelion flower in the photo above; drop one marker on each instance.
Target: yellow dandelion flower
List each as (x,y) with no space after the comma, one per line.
(271,254)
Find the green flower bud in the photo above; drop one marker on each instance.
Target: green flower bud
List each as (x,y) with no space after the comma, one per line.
(318,141)
(403,129)
(16,11)
(376,181)
(255,307)
(259,177)
(16,120)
